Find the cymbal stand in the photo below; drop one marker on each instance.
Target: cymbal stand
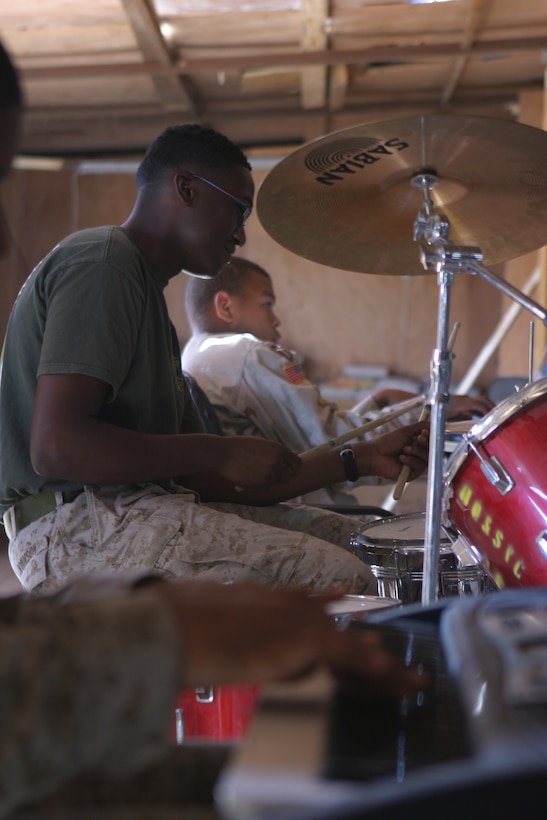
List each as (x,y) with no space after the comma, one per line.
(434,229)
(446,259)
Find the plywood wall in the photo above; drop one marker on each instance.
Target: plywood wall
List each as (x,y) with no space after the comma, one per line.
(515,355)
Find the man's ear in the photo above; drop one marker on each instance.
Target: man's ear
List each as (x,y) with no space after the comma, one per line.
(223,304)
(183,184)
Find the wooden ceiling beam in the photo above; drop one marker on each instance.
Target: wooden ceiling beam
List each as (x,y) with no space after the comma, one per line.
(313,78)
(131,126)
(171,90)
(277,106)
(42,121)
(117,134)
(338,57)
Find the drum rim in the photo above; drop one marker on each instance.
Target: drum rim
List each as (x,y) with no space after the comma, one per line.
(412,544)
(490,422)
(360,605)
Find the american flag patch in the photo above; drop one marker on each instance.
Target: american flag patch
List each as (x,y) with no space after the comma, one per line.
(293,373)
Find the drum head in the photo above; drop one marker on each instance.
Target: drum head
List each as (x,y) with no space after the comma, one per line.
(350,604)
(402,532)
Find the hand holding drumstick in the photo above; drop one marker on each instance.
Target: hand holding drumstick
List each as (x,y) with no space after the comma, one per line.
(405,470)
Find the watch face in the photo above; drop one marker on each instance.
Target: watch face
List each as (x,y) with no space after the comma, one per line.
(348,457)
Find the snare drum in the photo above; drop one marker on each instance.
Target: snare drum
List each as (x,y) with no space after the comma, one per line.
(394,550)
(495,489)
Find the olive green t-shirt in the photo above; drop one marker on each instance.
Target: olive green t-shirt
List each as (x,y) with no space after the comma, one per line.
(93,306)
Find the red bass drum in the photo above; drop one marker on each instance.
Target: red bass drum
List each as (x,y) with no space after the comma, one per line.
(495,489)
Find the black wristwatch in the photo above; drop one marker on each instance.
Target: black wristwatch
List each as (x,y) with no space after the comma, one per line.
(350,465)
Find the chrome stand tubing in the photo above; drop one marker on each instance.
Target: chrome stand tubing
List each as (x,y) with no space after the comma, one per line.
(524,301)
(441,366)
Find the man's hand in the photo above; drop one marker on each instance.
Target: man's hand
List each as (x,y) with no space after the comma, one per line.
(390,396)
(385,455)
(247,633)
(460,408)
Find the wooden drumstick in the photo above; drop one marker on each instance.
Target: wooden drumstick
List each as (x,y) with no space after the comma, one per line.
(424,416)
(452,337)
(364,428)
(403,407)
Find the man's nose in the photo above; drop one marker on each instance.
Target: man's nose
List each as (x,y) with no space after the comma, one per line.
(239,236)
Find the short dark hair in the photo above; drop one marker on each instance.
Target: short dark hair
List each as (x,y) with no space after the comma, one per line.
(189,144)
(11,95)
(200,293)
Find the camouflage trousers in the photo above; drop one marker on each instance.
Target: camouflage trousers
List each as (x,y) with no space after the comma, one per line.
(169,532)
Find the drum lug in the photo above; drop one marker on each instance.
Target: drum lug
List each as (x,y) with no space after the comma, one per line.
(205,694)
(494,471)
(541,542)
(497,475)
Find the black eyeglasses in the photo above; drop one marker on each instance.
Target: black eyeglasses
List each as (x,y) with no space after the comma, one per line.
(245,210)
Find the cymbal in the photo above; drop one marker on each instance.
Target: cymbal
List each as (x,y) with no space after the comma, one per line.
(345,200)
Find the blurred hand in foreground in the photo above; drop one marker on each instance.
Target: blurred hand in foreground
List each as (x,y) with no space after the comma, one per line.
(247,633)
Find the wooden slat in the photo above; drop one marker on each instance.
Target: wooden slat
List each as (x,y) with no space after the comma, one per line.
(314,38)
(338,85)
(172,93)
